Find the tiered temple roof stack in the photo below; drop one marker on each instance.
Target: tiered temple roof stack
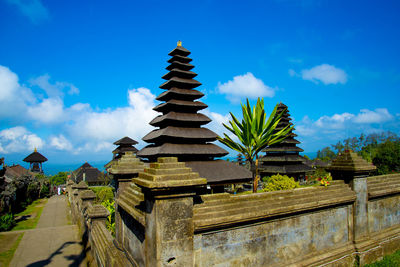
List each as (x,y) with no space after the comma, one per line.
(180,133)
(124,144)
(284,158)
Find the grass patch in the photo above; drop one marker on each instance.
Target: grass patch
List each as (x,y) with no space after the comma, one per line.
(8,245)
(391,260)
(29,218)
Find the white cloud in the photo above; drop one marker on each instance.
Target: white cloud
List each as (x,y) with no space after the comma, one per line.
(325,73)
(338,126)
(8,83)
(53,90)
(77,128)
(50,110)
(18,139)
(109,125)
(33,9)
(337,121)
(14,98)
(378,116)
(60,142)
(245,86)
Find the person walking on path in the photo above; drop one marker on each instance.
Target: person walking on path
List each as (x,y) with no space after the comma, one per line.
(54,242)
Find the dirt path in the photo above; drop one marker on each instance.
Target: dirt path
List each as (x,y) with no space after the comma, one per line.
(54,242)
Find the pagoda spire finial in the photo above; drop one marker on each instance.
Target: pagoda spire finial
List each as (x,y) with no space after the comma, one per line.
(179,43)
(35,149)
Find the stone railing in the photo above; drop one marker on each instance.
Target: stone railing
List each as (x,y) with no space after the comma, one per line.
(164,218)
(91,220)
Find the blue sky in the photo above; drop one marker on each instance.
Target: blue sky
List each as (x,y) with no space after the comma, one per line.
(77,75)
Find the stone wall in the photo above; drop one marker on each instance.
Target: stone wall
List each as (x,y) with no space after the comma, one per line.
(101,250)
(165,219)
(275,228)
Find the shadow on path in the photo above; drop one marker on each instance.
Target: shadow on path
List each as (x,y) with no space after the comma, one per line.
(76,259)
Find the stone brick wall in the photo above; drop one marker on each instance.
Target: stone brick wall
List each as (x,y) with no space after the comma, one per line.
(166,219)
(91,220)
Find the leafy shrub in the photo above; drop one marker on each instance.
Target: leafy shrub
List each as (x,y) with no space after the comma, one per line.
(7,222)
(279,182)
(103,193)
(45,191)
(32,192)
(109,205)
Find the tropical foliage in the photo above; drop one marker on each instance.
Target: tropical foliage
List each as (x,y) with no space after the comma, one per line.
(254,131)
(279,182)
(59,178)
(109,205)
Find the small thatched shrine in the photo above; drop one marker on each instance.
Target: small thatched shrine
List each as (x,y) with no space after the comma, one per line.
(348,165)
(35,161)
(284,158)
(124,144)
(180,133)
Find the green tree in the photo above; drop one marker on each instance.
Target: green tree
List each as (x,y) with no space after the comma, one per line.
(326,154)
(59,178)
(387,157)
(254,132)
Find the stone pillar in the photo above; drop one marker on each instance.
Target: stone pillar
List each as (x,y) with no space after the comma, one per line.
(76,188)
(169,187)
(98,214)
(124,169)
(354,171)
(87,197)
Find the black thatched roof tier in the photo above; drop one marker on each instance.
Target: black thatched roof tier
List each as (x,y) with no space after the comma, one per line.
(284,158)
(123,149)
(283,149)
(182,151)
(180,135)
(179,50)
(35,157)
(125,141)
(179,65)
(179,73)
(220,171)
(182,94)
(180,83)
(180,119)
(290,141)
(178,58)
(180,105)
(286,169)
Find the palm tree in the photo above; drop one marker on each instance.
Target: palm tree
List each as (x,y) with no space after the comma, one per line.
(254,132)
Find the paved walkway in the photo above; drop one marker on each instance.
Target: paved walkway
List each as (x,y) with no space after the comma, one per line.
(54,242)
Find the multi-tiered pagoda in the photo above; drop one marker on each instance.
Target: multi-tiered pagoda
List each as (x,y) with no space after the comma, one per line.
(284,158)
(180,132)
(124,144)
